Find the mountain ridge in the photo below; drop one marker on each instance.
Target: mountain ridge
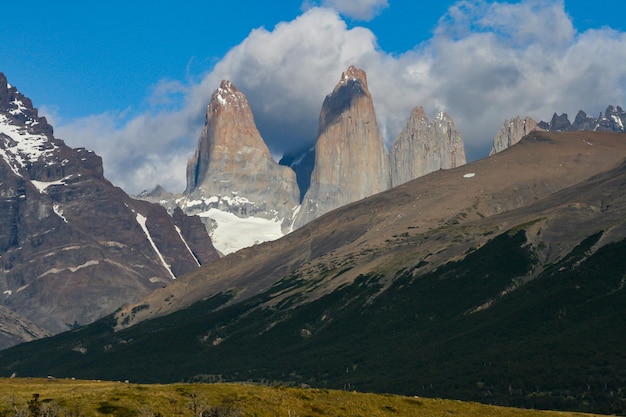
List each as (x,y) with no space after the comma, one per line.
(451,284)
(73,247)
(450,275)
(465,199)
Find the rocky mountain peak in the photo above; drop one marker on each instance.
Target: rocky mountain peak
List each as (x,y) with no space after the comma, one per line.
(19,109)
(418,114)
(228,95)
(73,247)
(423,147)
(232,176)
(351,162)
(229,133)
(614,119)
(353,74)
(511,132)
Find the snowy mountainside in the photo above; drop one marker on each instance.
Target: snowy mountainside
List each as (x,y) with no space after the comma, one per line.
(234,222)
(73,247)
(241,194)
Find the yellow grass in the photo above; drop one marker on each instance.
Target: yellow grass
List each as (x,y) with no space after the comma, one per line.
(93,398)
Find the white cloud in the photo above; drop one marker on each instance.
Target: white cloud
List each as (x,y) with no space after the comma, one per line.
(486,62)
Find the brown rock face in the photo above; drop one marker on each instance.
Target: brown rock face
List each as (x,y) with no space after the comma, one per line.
(423,147)
(232,169)
(74,248)
(350,158)
(511,132)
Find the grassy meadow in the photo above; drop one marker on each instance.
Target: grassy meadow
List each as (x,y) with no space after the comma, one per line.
(63,397)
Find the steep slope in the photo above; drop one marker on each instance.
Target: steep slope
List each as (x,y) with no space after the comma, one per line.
(424,147)
(499,286)
(511,132)
(73,247)
(541,164)
(232,178)
(351,162)
(15,329)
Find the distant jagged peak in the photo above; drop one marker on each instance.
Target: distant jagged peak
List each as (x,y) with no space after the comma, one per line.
(443,117)
(227,94)
(25,138)
(418,112)
(19,110)
(612,120)
(157,191)
(353,74)
(512,131)
(611,109)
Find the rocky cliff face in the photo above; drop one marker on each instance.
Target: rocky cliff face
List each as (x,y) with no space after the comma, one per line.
(351,162)
(511,132)
(423,147)
(233,174)
(73,247)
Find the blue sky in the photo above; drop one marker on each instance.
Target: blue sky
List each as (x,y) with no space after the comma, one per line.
(131,80)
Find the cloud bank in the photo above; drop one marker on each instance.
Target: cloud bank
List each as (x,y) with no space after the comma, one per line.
(485,62)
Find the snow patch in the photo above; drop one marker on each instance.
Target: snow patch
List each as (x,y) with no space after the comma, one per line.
(234,233)
(294,215)
(617,121)
(221,99)
(186,245)
(20,107)
(42,185)
(142,222)
(59,212)
(22,148)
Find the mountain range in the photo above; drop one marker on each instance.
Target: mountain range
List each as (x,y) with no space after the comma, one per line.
(498,281)
(74,248)
(613,120)
(513,130)
(244,197)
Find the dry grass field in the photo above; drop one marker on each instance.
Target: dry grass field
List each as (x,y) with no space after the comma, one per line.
(61,397)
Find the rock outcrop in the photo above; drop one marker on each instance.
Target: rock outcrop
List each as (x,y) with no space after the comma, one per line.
(232,173)
(351,162)
(511,132)
(73,247)
(423,147)
(614,120)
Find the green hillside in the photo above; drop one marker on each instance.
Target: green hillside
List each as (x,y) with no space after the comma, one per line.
(455,332)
